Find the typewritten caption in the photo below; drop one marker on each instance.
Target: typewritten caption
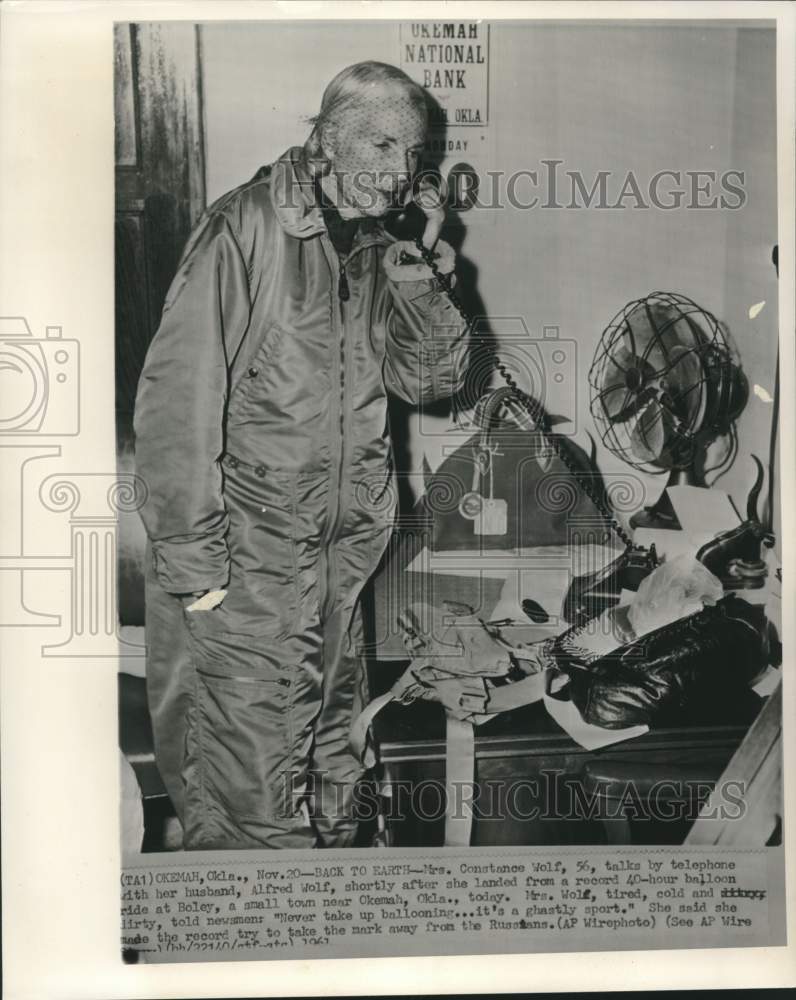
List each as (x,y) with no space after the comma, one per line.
(254,906)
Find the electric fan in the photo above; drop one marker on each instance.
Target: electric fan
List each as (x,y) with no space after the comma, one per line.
(665,383)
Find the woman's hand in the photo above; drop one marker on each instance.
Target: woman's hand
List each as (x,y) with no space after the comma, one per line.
(206,600)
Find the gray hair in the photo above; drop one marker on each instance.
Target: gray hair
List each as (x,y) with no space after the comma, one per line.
(351,88)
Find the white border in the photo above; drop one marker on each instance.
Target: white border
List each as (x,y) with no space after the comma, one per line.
(60,783)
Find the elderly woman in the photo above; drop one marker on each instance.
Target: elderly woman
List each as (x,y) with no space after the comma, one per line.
(262,440)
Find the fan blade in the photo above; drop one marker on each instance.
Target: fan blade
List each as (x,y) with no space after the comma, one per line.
(683,386)
(652,329)
(622,385)
(650,433)
(614,392)
(641,331)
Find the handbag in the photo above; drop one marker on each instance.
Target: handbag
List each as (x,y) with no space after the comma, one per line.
(523,516)
(508,486)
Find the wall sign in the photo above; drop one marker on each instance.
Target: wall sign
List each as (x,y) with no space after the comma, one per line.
(450,60)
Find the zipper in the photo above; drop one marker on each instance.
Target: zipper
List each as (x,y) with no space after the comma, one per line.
(337,399)
(281,681)
(343,291)
(337,446)
(337,268)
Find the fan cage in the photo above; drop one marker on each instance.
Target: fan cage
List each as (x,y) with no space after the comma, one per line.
(702,336)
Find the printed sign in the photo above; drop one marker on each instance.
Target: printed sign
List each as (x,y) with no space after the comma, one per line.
(450,60)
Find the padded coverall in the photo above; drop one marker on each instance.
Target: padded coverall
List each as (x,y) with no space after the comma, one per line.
(262,441)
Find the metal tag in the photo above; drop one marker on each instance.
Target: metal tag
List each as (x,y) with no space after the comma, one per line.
(470,505)
(492,519)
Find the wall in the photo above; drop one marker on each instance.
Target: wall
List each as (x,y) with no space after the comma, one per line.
(614,98)
(750,275)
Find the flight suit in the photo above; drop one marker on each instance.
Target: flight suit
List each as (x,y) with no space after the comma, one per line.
(262,442)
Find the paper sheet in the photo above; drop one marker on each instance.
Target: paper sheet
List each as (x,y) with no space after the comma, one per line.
(668,543)
(767,682)
(542,573)
(702,513)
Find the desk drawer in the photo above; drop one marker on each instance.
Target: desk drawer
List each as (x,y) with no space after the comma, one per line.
(551,798)
(534,784)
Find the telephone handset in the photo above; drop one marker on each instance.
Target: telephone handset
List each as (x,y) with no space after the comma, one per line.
(407,220)
(588,595)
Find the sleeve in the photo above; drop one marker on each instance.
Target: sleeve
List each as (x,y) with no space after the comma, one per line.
(426,349)
(179,414)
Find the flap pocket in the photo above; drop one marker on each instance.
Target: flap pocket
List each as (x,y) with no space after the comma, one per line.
(253,373)
(244,743)
(226,620)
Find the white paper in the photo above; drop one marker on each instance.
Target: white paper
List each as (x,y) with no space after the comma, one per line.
(542,573)
(767,682)
(702,513)
(668,542)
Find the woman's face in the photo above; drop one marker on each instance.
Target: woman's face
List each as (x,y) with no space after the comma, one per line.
(374,153)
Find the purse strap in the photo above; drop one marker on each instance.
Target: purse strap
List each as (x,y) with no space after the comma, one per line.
(486,411)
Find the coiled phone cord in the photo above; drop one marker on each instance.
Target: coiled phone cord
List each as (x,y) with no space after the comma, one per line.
(535,409)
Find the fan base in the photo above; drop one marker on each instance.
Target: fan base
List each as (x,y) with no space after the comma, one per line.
(660,515)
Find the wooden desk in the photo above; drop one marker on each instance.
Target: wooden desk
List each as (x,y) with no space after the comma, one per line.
(532,777)
(533,780)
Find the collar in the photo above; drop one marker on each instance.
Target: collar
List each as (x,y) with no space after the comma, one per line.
(295,206)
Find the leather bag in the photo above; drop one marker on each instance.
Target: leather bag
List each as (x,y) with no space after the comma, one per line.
(506,487)
(692,670)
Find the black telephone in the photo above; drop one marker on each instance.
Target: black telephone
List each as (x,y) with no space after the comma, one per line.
(589,595)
